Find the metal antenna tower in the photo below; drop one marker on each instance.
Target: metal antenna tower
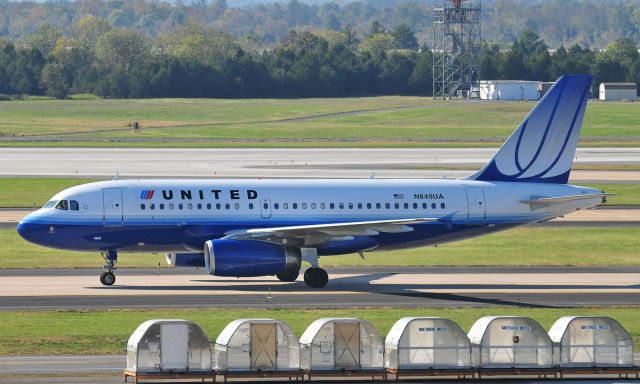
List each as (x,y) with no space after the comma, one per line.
(456,49)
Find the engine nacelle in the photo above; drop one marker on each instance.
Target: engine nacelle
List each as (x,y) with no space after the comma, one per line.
(249,258)
(185,260)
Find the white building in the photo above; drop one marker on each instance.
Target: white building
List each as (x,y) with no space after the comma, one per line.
(509,90)
(618,91)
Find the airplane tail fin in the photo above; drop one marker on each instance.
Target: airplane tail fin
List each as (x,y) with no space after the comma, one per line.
(541,150)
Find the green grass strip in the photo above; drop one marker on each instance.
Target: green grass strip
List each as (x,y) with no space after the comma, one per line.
(106,332)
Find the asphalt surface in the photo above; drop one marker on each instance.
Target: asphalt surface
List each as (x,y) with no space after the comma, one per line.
(222,162)
(348,287)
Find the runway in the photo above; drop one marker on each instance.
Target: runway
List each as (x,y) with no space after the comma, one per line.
(326,162)
(541,287)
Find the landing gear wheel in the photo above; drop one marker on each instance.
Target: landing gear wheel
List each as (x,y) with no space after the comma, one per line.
(288,276)
(107,278)
(316,277)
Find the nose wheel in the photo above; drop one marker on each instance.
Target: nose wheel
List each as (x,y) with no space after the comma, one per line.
(108,278)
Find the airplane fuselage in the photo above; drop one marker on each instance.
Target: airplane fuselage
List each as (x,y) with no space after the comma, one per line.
(181,215)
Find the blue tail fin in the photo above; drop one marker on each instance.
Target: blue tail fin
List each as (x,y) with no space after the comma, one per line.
(541,150)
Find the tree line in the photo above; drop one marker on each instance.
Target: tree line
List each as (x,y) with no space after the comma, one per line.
(590,23)
(196,61)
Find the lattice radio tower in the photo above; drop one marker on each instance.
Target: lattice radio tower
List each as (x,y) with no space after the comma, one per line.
(456,48)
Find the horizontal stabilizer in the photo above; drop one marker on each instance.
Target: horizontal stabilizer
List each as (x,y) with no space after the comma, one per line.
(540,202)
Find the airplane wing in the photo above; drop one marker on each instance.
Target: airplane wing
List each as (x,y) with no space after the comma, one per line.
(539,202)
(315,234)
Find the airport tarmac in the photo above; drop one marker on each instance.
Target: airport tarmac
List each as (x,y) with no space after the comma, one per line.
(537,287)
(325,162)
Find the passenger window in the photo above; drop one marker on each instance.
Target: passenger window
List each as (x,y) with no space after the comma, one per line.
(415,205)
(142,206)
(190,206)
(359,205)
(433,205)
(424,205)
(285,205)
(276,206)
(341,205)
(208,205)
(180,206)
(304,205)
(322,205)
(161,206)
(218,206)
(332,206)
(227,206)
(406,205)
(62,204)
(368,205)
(442,205)
(265,206)
(236,205)
(397,205)
(152,206)
(388,205)
(199,206)
(313,205)
(378,206)
(295,205)
(350,205)
(74,205)
(251,205)
(171,206)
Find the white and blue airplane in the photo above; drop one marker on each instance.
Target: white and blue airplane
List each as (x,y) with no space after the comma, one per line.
(264,227)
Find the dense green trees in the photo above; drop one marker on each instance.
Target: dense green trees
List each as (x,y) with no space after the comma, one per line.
(196,61)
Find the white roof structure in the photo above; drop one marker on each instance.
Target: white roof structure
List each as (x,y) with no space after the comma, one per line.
(257,345)
(171,345)
(592,341)
(511,341)
(341,344)
(427,343)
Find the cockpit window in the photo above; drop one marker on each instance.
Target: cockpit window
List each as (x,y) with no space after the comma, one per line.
(62,204)
(74,205)
(50,204)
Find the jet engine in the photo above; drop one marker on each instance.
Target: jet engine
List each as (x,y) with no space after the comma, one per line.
(248,258)
(185,259)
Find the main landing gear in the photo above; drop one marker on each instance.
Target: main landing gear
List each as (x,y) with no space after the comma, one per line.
(108,278)
(314,277)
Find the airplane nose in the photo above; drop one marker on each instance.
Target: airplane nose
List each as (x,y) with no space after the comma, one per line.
(26,229)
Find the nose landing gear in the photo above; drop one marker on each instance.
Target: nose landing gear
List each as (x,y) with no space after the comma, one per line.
(108,278)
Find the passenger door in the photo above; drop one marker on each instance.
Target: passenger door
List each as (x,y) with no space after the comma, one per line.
(476,203)
(112,206)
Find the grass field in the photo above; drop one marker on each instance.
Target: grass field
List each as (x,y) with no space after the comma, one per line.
(34,192)
(75,332)
(523,246)
(367,121)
